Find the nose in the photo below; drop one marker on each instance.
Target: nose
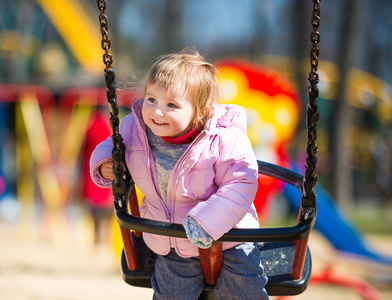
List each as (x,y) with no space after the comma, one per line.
(159,112)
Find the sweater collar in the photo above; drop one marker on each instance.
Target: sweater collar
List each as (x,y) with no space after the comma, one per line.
(183,139)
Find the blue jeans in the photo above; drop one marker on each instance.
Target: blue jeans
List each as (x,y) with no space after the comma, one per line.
(182,278)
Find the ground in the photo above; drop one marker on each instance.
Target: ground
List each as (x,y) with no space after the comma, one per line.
(33,269)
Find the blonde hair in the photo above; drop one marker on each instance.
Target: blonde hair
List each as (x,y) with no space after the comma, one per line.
(199,76)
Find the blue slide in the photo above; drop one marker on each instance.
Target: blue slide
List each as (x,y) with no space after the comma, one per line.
(335,226)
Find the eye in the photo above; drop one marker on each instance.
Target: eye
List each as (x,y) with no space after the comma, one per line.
(172,105)
(151,99)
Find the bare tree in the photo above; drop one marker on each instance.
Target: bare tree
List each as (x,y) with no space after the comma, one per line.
(343,181)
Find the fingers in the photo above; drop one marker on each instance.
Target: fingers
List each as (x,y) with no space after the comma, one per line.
(106,170)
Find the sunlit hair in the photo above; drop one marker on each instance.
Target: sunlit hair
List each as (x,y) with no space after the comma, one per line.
(199,77)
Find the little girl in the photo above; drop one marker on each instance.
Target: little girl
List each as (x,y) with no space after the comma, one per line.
(195,166)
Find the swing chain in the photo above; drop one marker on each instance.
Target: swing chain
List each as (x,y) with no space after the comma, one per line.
(312,117)
(315,39)
(105,42)
(120,171)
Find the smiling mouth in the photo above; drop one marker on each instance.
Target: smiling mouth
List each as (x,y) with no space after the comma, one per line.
(158,123)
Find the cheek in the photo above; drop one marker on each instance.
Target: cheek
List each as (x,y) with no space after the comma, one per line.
(190,115)
(145,114)
(186,119)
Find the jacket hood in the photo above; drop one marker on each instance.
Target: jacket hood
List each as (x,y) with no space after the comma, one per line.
(227,115)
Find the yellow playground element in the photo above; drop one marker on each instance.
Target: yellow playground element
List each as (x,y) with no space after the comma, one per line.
(77,29)
(45,169)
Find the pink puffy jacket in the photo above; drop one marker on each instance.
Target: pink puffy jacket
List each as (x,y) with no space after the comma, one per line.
(214,181)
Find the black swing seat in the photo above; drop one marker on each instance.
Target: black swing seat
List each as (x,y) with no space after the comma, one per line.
(277,245)
(277,259)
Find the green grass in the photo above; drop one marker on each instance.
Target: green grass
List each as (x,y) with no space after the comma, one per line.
(373,220)
(366,220)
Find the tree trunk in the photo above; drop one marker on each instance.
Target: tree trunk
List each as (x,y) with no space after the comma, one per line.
(342,175)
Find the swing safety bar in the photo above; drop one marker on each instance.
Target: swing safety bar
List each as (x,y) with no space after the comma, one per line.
(285,254)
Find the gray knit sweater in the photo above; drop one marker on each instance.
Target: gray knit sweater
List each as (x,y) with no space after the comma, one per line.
(166,156)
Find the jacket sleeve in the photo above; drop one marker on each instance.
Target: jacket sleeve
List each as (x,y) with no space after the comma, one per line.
(236,177)
(103,152)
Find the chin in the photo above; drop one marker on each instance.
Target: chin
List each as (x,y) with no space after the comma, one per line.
(158,132)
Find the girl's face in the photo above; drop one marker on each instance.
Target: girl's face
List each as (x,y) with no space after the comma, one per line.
(167,112)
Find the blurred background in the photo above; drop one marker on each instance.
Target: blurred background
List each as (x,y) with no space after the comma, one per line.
(53,113)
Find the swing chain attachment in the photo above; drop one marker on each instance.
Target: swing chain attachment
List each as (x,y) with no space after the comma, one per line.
(311,177)
(105,42)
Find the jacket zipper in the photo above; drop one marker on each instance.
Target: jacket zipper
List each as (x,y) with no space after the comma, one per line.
(179,163)
(165,208)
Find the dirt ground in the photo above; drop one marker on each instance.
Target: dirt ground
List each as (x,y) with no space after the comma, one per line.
(38,270)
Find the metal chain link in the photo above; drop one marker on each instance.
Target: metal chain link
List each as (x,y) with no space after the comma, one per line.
(310,178)
(315,39)
(120,170)
(105,42)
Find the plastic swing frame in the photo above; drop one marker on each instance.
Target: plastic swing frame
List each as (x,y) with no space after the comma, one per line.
(285,254)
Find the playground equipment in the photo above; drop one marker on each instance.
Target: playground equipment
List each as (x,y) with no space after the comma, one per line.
(272,104)
(41,150)
(44,164)
(289,274)
(76,28)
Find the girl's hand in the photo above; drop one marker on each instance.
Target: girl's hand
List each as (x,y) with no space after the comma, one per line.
(106,170)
